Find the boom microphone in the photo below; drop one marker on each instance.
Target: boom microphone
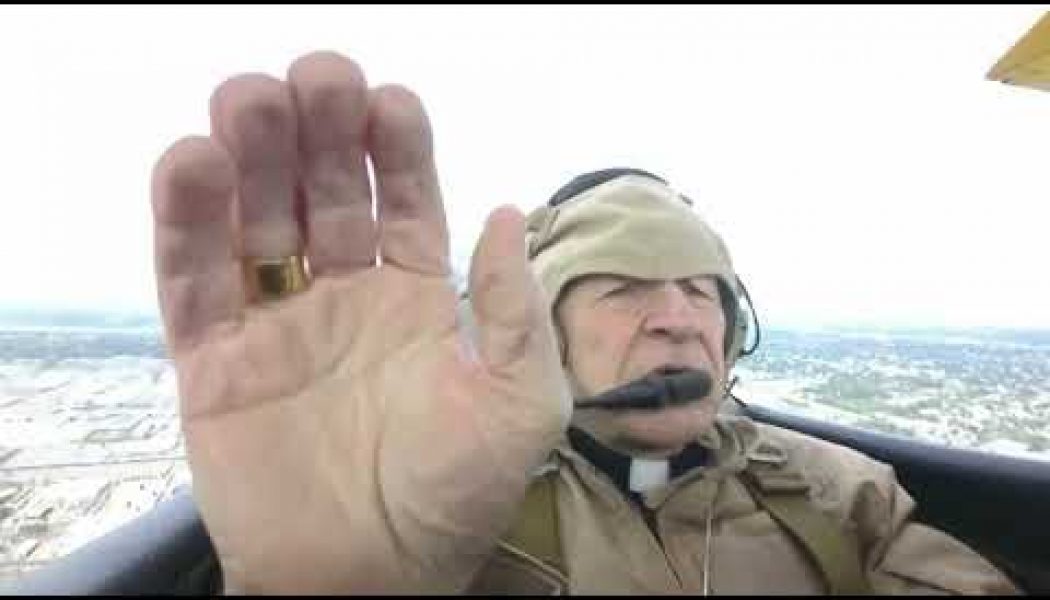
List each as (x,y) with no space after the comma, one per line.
(653,391)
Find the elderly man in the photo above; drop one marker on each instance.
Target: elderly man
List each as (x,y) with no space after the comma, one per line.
(349,432)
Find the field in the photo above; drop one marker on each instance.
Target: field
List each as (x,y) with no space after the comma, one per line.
(89,434)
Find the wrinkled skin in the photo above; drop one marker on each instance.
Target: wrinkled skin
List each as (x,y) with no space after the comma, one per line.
(345,439)
(618,329)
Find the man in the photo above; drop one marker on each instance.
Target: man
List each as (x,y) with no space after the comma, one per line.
(664,501)
(346,435)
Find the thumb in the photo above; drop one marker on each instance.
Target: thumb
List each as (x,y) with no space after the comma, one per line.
(509,310)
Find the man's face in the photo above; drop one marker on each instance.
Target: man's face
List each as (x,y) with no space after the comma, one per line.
(618,329)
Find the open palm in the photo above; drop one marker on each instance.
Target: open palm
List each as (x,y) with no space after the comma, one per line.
(348,437)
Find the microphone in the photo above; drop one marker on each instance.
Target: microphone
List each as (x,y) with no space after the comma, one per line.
(653,391)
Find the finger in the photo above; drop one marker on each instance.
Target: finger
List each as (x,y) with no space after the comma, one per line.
(254,118)
(413,234)
(508,307)
(331,100)
(198,278)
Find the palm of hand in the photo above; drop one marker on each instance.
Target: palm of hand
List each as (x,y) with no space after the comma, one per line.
(347,438)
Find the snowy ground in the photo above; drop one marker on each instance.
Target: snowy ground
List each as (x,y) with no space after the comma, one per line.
(89,435)
(85,446)
(926,424)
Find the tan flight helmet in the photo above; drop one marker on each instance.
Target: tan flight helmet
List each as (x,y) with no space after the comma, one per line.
(629,222)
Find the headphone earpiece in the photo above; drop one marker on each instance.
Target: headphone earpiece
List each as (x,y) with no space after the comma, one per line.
(742,326)
(740,335)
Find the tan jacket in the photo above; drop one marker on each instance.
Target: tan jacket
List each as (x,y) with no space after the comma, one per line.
(609,548)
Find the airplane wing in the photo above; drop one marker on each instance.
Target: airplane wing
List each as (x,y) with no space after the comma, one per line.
(1027,64)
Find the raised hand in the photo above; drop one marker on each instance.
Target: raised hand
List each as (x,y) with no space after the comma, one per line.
(345,437)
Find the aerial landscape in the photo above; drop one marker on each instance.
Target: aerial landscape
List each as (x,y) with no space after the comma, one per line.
(89,434)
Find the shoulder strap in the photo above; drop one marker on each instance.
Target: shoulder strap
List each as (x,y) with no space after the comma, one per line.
(535,531)
(835,550)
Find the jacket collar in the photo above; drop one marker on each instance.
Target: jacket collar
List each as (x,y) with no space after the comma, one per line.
(617,466)
(728,446)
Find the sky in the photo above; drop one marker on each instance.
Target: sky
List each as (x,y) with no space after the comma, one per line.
(855,159)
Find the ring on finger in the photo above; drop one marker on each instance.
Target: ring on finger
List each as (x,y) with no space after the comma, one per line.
(276,278)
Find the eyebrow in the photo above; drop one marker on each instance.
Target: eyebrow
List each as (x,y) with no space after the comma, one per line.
(695,281)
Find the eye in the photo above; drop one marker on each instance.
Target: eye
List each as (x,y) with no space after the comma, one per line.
(621,287)
(692,289)
(618,289)
(696,290)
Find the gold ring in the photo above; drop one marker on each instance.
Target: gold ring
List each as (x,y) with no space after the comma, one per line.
(276,278)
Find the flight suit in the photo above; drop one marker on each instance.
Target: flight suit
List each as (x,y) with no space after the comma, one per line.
(709,532)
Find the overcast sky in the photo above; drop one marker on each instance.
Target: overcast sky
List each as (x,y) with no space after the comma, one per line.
(856,160)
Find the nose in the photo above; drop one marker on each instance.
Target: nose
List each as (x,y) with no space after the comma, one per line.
(671,315)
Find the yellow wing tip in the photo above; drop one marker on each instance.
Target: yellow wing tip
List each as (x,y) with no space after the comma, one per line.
(1027,62)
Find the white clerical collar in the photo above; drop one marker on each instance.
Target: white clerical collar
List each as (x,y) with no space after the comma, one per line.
(647,474)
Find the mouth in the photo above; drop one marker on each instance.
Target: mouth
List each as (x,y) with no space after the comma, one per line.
(681,384)
(668,370)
